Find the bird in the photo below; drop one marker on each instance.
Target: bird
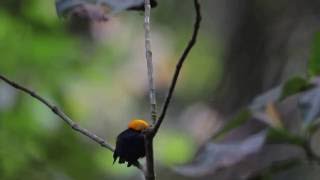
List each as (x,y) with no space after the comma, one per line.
(130,143)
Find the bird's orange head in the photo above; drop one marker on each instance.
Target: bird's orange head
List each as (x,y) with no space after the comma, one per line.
(138,125)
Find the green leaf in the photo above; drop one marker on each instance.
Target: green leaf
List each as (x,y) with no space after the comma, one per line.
(242,117)
(293,86)
(314,62)
(284,136)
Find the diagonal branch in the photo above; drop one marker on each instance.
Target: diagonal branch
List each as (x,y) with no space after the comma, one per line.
(182,59)
(64,117)
(60,113)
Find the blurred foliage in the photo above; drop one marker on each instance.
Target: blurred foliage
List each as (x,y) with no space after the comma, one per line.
(284,136)
(314,62)
(294,86)
(239,150)
(91,82)
(174,147)
(240,118)
(102,85)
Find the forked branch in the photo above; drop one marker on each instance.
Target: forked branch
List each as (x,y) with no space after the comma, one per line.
(150,133)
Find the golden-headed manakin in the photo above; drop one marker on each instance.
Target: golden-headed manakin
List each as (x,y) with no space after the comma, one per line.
(130,143)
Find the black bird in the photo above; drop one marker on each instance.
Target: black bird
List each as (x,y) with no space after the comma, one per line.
(130,143)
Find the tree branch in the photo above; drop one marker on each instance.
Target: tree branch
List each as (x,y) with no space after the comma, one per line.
(152,92)
(149,173)
(64,117)
(182,59)
(60,113)
(150,133)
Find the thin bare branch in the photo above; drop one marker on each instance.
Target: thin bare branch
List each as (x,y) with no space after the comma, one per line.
(149,172)
(150,133)
(179,66)
(64,117)
(60,113)
(152,92)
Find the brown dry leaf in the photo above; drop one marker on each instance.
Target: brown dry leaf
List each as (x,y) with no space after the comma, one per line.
(274,115)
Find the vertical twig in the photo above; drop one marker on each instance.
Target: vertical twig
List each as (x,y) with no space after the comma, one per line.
(152,93)
(149,173)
